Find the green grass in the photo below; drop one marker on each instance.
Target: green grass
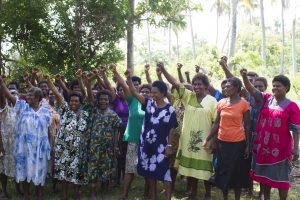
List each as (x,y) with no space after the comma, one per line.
(137,189)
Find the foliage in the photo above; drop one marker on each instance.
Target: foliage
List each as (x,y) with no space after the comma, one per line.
(44,32)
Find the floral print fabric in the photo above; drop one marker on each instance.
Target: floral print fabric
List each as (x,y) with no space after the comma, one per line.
(152,162)
(32,148)
(69,152)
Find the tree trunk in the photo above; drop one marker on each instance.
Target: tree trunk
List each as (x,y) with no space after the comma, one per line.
(294,47)
(218,16)
(282,38)
(78,31)
(170,41)
(177,45)
(263,33)
(149,43)
(1,59)
(192,35)
(130,26)
(233,13)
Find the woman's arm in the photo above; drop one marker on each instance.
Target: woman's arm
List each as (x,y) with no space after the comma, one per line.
(88,86)
(187,75)
(296,145)
(180,77)
(52,87)
(62,85)
(132,89)
(107,83)
(168,76)
(148,77)
(223,63)
(213,131)
(246,120)
(120,80)
(169,148)
(80,82)
(6,92)
(249,87)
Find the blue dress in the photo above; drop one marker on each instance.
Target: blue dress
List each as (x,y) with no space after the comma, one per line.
(32,146)
(152,162)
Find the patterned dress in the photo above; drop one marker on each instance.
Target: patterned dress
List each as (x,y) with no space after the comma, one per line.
(70,154)
(273,142)
(32,147)
(102,128)
(158,122)
(8,118)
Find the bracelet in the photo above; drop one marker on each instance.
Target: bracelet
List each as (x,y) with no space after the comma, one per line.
(169,145)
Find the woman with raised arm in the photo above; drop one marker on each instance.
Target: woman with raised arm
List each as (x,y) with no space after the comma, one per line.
(232,126)
(134,126)
(69,159)
(120,106)
(274,145)
(32,131)
(155,141)
(103,128)
(200,112)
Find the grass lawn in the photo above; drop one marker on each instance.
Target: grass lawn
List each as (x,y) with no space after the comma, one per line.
(137,188)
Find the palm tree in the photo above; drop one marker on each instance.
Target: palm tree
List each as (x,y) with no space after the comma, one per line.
(284,5)
(130,26)
(263,33)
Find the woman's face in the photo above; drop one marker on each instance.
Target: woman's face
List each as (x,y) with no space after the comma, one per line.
(31,99)
(156,94)
(230,90)
(75,103)
(120,93)
(279,90)
(103,101)
(199,87)
(259,85)
(145,92)
(52,97)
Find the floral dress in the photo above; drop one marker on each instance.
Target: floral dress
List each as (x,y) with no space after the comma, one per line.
(69,161)
(32,147)
(102,127)
(8,117)
(152,162)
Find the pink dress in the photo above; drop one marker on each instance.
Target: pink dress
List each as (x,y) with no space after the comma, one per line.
(273,142)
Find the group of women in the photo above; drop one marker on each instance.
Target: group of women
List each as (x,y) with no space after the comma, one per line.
(84,134)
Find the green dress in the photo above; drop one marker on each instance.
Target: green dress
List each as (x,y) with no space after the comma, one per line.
(102,128)
(192,160)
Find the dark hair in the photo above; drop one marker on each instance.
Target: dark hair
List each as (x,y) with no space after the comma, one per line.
(285,81)
(235,82)
(224,82)
(147,86)
(118,86)
(73,83)
(14,83)
(250,73)
(161,86)
(262,79)
(104,92)
(57,86)
(41,82)
(136,79)
(37,92)
(201,77)
(76,94)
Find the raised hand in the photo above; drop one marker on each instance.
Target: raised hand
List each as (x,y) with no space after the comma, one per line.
(25,77)
(223,61)
(197,68)
(127,74)
(179,66)
(243,72)
(160,65)
(35,70)
(158,71)
(58,77)
(113,67)
(46,76)
(78,73)
(147,67)
(103,68)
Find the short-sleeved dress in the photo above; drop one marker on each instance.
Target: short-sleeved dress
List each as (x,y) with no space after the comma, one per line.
(70,154)
(102,128)
(192,160)
(8,118)
(273,142)
(32,147)
(152,162)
